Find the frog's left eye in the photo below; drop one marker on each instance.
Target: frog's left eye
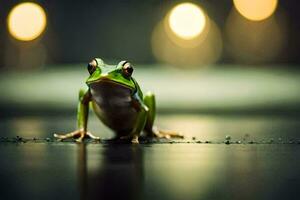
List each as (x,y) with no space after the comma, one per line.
(127,69)
(92,66)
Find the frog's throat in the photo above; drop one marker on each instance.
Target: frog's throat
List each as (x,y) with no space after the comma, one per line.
(106,80)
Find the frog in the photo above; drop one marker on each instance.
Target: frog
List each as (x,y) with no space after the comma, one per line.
(118,101)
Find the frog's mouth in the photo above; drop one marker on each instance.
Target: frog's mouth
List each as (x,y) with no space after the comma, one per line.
(108,81)
(109,89)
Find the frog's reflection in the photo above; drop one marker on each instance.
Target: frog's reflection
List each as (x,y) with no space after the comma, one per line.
(117,172)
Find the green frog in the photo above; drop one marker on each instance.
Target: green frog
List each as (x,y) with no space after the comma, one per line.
(118,102)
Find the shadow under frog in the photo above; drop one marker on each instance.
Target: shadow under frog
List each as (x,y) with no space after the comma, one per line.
(118,174)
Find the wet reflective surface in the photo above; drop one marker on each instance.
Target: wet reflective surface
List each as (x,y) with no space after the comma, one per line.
(52,170)
(260,128)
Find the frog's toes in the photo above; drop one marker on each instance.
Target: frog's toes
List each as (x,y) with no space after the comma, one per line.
(68,135)
(92,136)
(170,134)
(135,140)
(78,134)
(79,140)
(165,134)
(57,137)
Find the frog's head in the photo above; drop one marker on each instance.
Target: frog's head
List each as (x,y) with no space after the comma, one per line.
(120,73)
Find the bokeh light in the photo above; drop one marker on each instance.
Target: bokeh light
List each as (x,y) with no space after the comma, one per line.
(186,37)
(198,52)
(187,20)
(26,21)
(255,9)
(255,42)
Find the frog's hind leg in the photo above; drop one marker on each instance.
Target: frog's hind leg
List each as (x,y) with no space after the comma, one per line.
(150,129)
(82,117)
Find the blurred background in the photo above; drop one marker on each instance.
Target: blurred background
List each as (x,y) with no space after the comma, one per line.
(220,70)
(56,32)
(230,58)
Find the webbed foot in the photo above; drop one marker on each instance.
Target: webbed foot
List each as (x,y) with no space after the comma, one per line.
(78,134)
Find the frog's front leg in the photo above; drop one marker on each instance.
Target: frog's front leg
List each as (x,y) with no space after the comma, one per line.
(150,129)
(82,118)
(142,110)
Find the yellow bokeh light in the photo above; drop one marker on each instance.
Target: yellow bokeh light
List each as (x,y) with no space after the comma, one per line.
(198,52)
(26,21)
(256,10)
(187,20)
(250,42)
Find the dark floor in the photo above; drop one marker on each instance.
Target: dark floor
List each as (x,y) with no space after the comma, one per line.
(159,171)
(267,169)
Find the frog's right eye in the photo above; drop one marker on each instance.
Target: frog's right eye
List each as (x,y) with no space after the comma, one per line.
(92,66)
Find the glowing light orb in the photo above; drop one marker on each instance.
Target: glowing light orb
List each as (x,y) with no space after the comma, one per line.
(187,20)
(256,10)
(183,54)
(255,43)
(26,21)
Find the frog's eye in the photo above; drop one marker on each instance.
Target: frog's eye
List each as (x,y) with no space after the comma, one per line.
(92,66)
(127,69)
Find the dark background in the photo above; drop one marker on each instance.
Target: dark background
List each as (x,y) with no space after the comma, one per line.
(80,30)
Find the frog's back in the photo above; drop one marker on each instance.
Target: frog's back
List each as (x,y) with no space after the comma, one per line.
(112,103)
